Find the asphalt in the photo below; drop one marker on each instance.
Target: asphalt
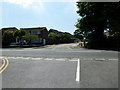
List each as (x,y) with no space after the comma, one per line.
(60,73)
(46,52)
(0,62)
(40,74)
(56,66)
(99,74)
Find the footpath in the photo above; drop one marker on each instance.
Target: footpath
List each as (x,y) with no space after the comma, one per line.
(0,61)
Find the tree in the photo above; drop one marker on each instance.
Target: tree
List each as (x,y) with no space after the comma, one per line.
(66,38)
(54,37)
(29,38)
(18,35)
(97,17)
(7,38)
(78,35)
(62,37)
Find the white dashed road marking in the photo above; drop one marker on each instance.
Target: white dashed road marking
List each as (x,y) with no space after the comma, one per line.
(48,59)
(100,59)
(60,59)
(112,59)
(78,71)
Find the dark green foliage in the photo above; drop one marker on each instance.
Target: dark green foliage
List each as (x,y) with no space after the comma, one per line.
(60,38)
(19,34)
(78,35)
(114,41)
(54,38)
(29,38)
(96,41)
(96,17)
(7,38)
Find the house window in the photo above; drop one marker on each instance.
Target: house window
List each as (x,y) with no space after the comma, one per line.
(28,31)
(38,40)
(36,32)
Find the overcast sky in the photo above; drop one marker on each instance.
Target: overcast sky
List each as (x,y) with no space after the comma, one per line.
(60,15)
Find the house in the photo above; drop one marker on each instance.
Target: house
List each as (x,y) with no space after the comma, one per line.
(8,28)
(55,31)
(41,32)
(62,37)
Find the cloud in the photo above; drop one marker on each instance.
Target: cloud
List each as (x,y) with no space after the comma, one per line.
(26,3)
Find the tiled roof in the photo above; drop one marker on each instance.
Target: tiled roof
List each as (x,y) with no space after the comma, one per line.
(40,28)
(10,28)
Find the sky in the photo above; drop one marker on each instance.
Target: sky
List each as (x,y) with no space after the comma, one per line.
(56,14)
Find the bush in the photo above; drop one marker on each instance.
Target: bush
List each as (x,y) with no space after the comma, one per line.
(113,41)
(110,42)
(96,41)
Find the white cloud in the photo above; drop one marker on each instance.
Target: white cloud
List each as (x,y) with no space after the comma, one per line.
(26,3)
(34,3)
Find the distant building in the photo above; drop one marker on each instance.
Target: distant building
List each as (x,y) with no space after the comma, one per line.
(41,32)
(8,28)
(55,31)
(62,37)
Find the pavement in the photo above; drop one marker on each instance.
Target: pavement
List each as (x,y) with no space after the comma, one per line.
(0,61)
(59,66)
(0,74)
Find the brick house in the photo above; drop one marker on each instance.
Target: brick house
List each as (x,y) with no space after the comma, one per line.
(41,32)
(8,28)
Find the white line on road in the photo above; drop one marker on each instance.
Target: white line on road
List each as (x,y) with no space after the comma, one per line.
(73,60)
(11,57)
(60,59)
(48,59)
(113,59)
(78,71)
(100,59)
(36,58)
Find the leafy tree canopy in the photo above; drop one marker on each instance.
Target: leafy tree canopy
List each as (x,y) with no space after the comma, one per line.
(98,16)
(29,37)
(8,37)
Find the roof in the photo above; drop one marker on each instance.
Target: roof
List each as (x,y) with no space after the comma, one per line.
(39,28)
(9,28)
(55,31)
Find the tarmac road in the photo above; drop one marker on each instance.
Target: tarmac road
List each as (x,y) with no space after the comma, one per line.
(62,50)
(57,67)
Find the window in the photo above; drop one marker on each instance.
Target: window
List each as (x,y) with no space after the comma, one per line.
(36,32)
(38,40)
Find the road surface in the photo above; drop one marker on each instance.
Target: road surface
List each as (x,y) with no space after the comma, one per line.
(62,50)
(60,66)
